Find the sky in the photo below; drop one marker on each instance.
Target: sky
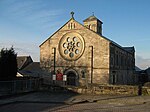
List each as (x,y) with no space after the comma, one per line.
(25,24)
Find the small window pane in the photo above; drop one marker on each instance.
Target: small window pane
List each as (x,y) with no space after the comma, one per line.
(74,39)
(64,45)
(78,44)
(71,54)
(68,39)
(66,51)
(77,51)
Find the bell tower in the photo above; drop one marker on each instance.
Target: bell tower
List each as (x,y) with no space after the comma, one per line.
(93,24)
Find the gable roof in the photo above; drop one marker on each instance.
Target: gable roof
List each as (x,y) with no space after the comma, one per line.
(92,18)
(34,66)
(56,32)
(78,23)
(129,49)
(137,68)
(32,70)
(23,61)
(148,70)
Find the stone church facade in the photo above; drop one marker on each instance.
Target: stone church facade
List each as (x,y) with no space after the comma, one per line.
(84,55)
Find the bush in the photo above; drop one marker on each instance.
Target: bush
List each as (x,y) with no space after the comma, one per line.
(8,64)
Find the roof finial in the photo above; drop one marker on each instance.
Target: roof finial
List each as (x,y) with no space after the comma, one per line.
(92,13)
(72,13)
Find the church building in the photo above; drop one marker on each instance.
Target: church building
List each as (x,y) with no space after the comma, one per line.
(83,55)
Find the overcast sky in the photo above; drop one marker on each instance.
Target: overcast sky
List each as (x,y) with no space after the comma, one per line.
(25,24)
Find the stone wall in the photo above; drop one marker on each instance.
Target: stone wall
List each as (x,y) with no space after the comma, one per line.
(96,56)
(112,90)
(94,45)
(122,64)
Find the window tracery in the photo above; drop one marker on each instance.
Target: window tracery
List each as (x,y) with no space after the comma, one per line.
(71,46)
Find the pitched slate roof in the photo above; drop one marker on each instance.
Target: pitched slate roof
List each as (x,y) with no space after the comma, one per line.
(32,70)
(23,61)
(92,18)
(148,70)
(129,49)
(137,68)
(34,66)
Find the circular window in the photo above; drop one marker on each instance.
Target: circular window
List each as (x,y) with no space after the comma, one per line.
(71,46)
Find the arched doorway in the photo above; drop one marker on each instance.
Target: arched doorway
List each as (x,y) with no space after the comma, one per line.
(72,77)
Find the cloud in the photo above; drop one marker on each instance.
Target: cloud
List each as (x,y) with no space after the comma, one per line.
(142,62)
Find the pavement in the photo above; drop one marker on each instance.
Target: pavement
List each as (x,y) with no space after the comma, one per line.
(46,101)
(59,97)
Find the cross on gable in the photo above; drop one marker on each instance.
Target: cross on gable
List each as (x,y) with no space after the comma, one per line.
(72,13)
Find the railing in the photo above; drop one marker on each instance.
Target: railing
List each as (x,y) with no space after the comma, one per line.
(18,86)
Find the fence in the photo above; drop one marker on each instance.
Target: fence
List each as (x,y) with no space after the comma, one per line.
(18,86)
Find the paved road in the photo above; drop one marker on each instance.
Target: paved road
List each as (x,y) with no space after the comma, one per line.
(71,102)
(96,107)
(85,107)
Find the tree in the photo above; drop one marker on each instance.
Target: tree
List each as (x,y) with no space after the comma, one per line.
(8,64)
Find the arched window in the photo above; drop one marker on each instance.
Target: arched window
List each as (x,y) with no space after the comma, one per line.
(94,27)
(68,26)
(71,26)
(89,26)
(74,26)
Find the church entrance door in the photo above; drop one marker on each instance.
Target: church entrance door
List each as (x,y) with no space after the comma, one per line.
(71,78)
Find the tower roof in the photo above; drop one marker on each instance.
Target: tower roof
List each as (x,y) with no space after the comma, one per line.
(92,18)
(129,49)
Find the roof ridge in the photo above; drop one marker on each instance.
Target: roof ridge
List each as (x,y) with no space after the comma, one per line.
(91,18)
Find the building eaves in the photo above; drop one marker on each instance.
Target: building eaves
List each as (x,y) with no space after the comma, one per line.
(130,49)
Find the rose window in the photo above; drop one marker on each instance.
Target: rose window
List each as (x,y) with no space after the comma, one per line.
(71,46)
